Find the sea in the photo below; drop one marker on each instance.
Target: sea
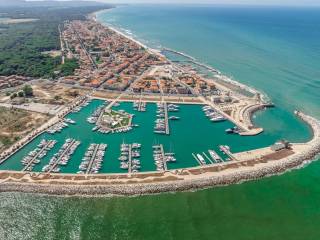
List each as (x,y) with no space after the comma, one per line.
(273,49)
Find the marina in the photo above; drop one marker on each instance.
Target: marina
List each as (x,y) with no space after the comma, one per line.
(183,138)
(209,155)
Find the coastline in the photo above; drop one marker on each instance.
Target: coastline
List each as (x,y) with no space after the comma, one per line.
(219,75)
(94,17)
(171,181)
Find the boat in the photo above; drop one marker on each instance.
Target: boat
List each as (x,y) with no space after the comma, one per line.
(201,159)
(68,120)
(218,118)
(95,128)
(214,156)
(234,130)
(123,158)
(174,118)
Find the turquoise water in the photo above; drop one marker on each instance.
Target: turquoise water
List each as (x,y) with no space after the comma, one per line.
(275,50)
(192,133)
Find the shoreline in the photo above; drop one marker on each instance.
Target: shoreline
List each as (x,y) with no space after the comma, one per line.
(219,75)
(94,17)
(171,181)
(187,179)
(266,102)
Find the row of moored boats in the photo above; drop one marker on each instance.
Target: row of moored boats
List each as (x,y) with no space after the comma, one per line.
(93,158)
(62,157)
(83,104)
(33,158)
(139,106)
(213,115)
(161,158)
(129,157)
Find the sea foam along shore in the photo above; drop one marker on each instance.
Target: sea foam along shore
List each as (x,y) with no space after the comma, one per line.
(181,183)
(218,75)
(94,17)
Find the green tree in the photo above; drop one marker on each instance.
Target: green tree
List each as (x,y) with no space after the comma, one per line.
(21,94)
(28,91)
(14,95)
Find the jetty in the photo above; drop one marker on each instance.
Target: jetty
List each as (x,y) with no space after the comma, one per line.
(130,159)
(166,118)
(96,147)
(64,153)
(165,167)
(201,163)
(160,158)
(206,156)
(226,151)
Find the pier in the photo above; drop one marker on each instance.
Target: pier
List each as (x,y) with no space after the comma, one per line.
(130,159)
(166,118)
(44,148)
(195,157)
(92,158)
(160,158)
(141,105)
(65,151)
(226,150)
(206,156)
(165,167)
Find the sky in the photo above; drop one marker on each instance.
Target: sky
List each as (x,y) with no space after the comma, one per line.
(246,2)
(225,2)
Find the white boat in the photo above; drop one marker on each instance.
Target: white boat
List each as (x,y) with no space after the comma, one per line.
(201,159)
(215,156)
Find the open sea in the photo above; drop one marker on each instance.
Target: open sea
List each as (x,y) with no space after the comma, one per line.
(275,50)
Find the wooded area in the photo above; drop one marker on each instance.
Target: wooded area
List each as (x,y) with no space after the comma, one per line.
(22,45)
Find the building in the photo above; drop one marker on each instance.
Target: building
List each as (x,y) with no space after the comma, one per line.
(280,145)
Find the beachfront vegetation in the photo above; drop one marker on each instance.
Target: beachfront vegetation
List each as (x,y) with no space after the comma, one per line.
(22,45)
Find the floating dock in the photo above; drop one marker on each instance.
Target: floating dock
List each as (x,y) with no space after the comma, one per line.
(44,148)
(165,167)
(130,159)
(210,161)
(197,159)
(73,141)
(226,151)
(92,158)
(166,118)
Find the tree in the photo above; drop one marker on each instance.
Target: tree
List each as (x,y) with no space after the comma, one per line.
(14,95)
(28,91)
(57,97)
(21,94)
